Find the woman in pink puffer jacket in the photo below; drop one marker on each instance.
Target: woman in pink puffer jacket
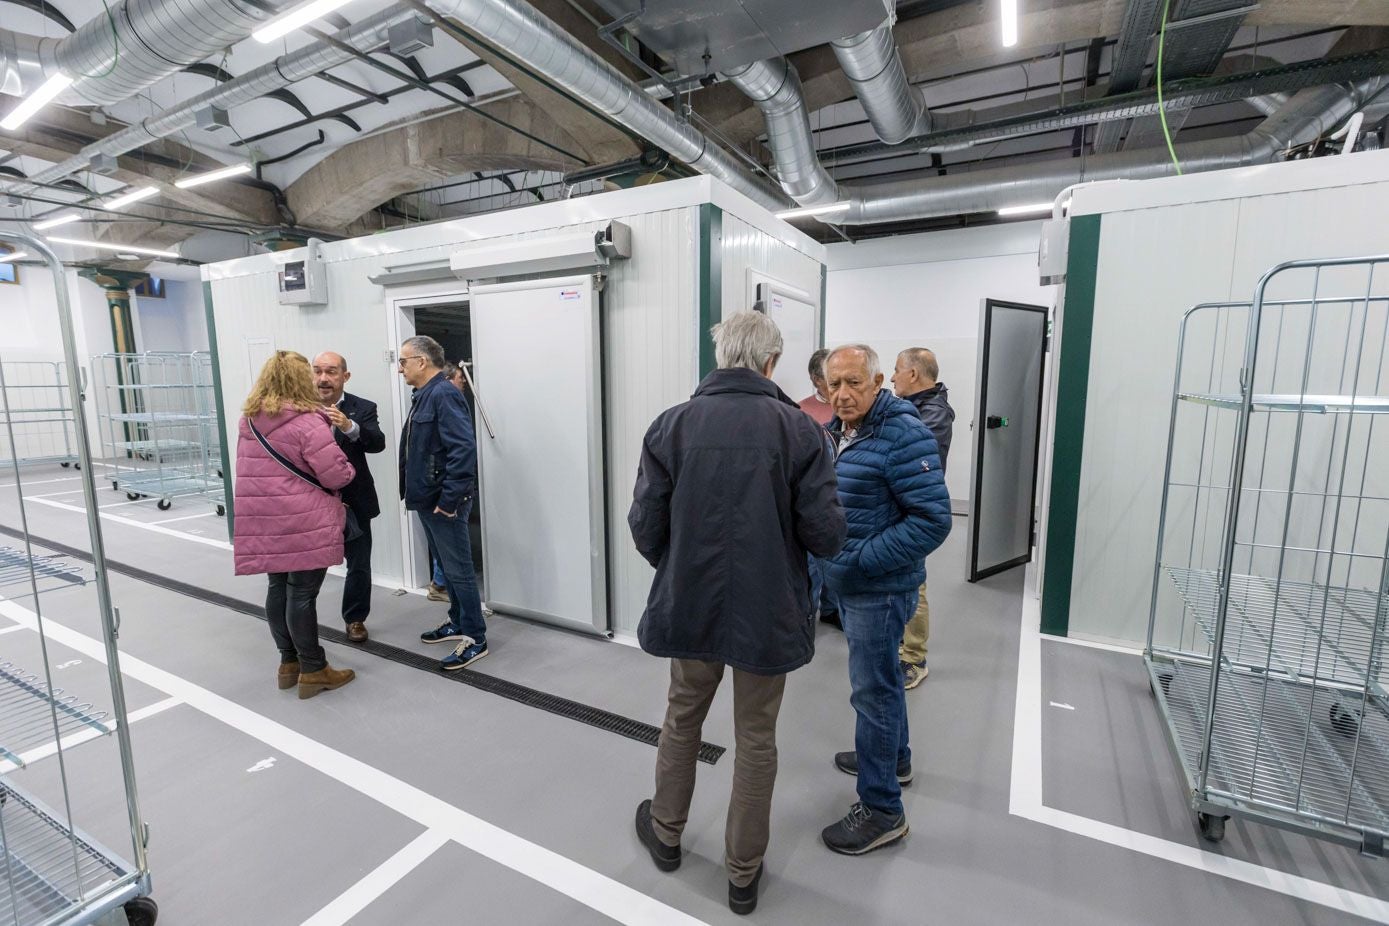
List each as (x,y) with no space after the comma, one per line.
(286,526)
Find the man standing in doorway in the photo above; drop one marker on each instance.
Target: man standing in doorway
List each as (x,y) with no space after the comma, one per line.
(898,509)
(438,478)
(915,379)
(735,487)
(358,433)
(817,404)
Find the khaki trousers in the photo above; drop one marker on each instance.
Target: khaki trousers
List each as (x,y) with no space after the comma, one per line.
(756,704)
(913,648)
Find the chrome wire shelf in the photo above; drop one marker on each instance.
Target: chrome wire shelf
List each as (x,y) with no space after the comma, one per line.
(1310,404)
(51,868)
(31,717)
(55,570)
(1300,631)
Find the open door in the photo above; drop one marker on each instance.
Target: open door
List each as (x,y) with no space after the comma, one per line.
(536,349)
(1007,436)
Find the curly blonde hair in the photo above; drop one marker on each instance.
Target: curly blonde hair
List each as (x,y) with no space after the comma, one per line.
(286,381)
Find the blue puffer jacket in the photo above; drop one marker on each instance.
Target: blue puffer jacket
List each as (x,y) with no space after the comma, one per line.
(893,491)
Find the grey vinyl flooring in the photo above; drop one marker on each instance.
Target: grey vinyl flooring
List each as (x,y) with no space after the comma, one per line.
(237,840)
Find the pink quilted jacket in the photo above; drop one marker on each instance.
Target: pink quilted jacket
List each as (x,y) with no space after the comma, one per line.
(283,524)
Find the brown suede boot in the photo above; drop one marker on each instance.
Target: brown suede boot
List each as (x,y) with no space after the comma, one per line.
(288,675)
(326,679)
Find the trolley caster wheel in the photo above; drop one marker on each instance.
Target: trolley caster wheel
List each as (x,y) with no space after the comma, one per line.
(1344,722)
(142,911)
(164,504)
(221,511)
(115,486)
(65,465)
(1212,826)
(133,496)
(77,466)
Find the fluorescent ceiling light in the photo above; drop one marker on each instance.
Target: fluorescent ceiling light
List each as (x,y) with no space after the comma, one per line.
(225,172)
(805,211)
(119,248)
(296,18)
(35,101)
(135,197)
(1026,210)
(1010,23)
(11,258)
(60,220)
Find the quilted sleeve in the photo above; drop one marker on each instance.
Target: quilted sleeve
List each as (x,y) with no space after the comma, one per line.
(322,455)
(917,484)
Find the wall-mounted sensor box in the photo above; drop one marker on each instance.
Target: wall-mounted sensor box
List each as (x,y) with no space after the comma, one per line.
(1052,251)
(304,282)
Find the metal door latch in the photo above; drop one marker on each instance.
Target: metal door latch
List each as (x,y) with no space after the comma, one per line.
(995,421)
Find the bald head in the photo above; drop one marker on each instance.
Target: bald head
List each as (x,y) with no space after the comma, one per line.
(916,371)
(330,376)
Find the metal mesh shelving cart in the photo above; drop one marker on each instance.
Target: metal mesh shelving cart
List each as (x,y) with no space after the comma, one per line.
(51,873)
(159,423)
(1268,638)
(39,413)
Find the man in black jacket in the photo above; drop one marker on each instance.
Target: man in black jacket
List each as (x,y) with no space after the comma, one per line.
(915,379)
(357,432)
(735,487)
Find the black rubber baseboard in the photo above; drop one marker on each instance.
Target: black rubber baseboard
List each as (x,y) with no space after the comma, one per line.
(553,704)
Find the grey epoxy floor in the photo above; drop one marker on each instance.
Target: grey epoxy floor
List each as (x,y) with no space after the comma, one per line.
(277,844)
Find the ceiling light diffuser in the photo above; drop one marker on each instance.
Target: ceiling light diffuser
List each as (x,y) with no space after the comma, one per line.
(60,220)
(211,176)
(296,18)
(119,248)
(134,197)
(35,101)
(1025,210)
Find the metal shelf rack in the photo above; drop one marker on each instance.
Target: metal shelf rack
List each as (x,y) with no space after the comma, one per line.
(51,873)
(1268,636)
(38,412)
(159,424)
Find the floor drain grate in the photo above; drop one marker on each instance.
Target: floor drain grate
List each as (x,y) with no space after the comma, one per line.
(553,704)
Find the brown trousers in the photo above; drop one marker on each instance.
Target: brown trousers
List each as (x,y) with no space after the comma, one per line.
(756,704)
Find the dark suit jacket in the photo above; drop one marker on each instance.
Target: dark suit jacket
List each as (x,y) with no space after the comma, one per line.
(360,494)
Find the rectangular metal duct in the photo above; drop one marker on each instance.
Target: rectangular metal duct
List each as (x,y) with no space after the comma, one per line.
(737,32)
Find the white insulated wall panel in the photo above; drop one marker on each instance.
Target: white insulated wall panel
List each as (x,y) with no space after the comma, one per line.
(1154,264)
(751,255)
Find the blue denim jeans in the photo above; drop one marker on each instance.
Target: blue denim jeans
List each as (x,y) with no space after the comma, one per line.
(873,626)
(452,545)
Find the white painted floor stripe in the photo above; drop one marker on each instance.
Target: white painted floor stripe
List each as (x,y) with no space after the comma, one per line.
(1025,796)
(187,517)
(88,734)
(12,629)
(1094,644)
(117,519)
(54,494)
(358,897)
(26,483)
(590,888)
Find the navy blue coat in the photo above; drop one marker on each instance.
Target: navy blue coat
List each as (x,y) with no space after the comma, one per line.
(933,406)
(360,493)
(893,491)
(438,453)
(735,487)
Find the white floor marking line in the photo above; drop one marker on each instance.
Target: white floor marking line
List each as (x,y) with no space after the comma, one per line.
(117,519)
(590,888)
(1094,644)
(54,494)
(358,897)
(187,517)
(1025,796)
(37,482)
(87,735)
(4,630)
(1064,707)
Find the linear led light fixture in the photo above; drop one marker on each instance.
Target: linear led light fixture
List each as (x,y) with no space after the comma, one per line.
(806,211)
(60,220)
(296,18)
(119,248)
(35,101)
(1010,23)
(1026,210)
(13,258)
(212,176)
(122,201)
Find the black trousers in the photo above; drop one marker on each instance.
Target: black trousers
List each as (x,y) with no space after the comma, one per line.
(356,591)
(291,605)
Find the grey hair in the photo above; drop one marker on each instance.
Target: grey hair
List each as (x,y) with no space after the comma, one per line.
(428,348)
(923,360)
(817,363)
(746,340)
(874,365)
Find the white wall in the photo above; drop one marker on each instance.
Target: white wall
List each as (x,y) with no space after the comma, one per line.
(926,291)
(177,322)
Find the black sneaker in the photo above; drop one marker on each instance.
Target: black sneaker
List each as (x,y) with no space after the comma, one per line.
(667,858)
(743,900)
(847,762)
(864,829)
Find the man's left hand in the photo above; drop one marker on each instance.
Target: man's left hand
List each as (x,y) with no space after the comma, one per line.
(447,514)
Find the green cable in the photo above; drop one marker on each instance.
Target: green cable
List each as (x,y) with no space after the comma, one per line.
(1162,110)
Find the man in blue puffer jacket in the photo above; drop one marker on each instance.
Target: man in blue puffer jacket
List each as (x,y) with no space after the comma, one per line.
(893,492)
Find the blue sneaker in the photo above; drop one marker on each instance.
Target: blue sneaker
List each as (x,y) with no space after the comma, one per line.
(463,654)
(442,634)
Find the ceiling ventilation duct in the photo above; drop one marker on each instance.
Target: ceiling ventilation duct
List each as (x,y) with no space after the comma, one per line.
(895,108)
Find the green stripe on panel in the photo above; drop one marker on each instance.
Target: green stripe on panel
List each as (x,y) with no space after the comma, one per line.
(710,282)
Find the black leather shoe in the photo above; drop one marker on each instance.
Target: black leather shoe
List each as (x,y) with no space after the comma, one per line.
(667,858)
(743,900)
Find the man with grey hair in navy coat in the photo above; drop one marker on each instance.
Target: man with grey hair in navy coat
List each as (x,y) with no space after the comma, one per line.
(735,487)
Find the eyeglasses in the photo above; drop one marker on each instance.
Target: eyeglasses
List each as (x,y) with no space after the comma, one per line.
(402,361)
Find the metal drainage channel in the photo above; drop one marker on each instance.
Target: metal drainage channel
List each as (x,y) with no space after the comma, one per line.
(553,704)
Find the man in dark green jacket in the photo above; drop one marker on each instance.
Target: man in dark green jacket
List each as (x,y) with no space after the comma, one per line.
(735,487)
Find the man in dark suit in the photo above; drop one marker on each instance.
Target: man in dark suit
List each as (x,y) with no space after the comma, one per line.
(358,434)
